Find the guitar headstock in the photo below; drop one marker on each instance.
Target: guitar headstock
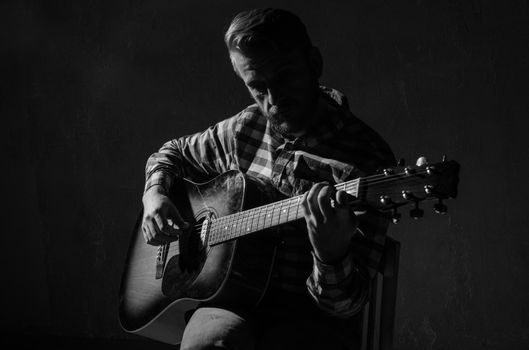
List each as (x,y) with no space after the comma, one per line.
(398,186)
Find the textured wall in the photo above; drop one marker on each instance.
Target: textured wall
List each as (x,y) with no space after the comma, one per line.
(91,89)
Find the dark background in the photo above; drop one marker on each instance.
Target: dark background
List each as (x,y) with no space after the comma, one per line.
(90,89)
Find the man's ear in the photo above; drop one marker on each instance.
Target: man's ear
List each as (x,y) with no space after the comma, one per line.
(316,61)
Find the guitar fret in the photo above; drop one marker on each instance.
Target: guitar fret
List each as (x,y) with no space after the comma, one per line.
(288,210)
(248,222)
(211,233)
(294,205)
(252,218)
(242,228)
(279,213)
(233,229)
(259,216)
(227,226)
(253,225)
(238,227)
(283,214)
(223,227)
(271,214)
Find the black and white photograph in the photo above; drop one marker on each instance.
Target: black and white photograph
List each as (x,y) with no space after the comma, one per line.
(250,175)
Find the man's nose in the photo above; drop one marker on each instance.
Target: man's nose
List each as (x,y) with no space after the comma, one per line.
(275,96)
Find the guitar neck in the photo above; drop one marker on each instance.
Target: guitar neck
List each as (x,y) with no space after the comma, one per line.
(387,191)
(233,226)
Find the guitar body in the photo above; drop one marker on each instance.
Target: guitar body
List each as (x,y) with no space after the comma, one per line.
(195,273)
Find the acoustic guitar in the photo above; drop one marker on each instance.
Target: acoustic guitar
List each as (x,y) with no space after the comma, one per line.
(227,254)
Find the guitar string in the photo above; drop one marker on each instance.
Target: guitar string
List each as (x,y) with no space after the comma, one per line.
(253,217)
(173,248)
(217,236)
(293,203)
(353,185)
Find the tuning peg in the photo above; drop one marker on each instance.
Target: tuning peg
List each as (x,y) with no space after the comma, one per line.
(395,216)
(421,161)
(401,162)
(416,213)
(440,207)
(385,200)
(407,195)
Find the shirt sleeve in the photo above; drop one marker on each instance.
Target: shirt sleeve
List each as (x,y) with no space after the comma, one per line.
(343,289)
(198,157)
(340,289)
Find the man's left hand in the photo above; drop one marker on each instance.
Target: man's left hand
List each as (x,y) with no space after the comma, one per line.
(330,226)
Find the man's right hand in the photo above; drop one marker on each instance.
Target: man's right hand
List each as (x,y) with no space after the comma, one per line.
(162,223)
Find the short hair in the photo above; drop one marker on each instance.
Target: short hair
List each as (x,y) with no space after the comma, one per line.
(262,30)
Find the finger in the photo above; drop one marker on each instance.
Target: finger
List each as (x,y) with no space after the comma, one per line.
(145,232)
(345,203)
(165,229)
(161,237)
(309,218)
(160,223)
(150,233)
(324,202)
(305,204)
(312,200)
(176,221)
(344,199)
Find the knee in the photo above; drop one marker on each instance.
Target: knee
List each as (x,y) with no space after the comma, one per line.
(212,328)
(205,344)
(215,341)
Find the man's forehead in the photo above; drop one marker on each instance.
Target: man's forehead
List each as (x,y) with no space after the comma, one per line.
(263,61)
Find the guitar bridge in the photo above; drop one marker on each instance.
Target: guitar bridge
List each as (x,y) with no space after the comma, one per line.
(161,258)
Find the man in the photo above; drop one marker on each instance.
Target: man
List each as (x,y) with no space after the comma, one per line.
(300,138)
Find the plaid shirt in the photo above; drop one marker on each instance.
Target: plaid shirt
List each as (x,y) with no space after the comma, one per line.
(340,148)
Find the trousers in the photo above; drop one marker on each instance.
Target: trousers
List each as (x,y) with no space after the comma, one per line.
(281,322)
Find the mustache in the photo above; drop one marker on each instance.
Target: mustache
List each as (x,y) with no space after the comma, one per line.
(277,109)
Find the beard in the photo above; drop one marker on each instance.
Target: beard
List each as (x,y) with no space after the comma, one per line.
(286,124)
(292,119)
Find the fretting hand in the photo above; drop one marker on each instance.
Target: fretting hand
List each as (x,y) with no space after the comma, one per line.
(330,226)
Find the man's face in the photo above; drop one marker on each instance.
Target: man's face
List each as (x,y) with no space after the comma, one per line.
(284,86)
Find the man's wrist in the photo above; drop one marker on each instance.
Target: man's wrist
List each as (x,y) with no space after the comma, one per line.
(331,259)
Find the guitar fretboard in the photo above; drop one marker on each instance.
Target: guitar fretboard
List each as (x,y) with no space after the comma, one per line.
(267,216)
